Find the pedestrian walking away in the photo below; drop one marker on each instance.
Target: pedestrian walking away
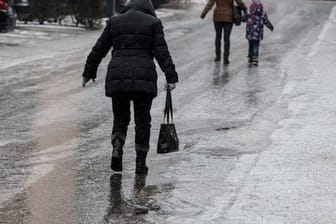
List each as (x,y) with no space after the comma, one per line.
(223,21)
(255,20)
(137,37)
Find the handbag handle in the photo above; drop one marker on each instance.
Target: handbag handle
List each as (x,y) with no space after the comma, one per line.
(234,5)
(168,111)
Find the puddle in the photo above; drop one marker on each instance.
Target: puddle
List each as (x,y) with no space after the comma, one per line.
(222,152)
(225,128)
(8,44)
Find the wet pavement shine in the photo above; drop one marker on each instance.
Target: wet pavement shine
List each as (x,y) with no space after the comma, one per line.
(55,135)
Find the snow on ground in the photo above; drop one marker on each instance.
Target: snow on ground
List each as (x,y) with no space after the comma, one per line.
(294,181)
(32,42)
(198,1)
(164,12)
(224,176)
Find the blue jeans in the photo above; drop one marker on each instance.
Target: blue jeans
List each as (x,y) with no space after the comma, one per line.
(254,48)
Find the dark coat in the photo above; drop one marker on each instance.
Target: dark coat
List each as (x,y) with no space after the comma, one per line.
(136,37)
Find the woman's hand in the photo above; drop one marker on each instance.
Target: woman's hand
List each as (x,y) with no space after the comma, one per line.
(171,86)
(86,80)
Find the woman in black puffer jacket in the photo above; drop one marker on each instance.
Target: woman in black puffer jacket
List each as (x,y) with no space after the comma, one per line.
(136,37)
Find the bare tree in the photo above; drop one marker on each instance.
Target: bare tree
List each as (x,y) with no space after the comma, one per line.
(88,12)
(41,10)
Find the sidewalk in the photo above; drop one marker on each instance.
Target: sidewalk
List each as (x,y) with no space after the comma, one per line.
(293,181)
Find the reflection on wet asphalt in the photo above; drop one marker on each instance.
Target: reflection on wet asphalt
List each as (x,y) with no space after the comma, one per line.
(55,136)
(117,204)
(220,77)
(123,210)
(252,86)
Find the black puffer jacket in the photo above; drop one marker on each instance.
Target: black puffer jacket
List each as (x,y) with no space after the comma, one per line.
(136,37)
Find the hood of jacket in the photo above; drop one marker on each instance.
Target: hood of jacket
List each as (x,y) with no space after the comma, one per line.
(256,9)
(144,6)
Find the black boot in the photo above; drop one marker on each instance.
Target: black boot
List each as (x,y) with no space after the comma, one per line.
(117,154)
(218,54)
(250,61)
(226,58)
(141,167)
(255,61)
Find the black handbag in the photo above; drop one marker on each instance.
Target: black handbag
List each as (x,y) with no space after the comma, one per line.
(168,140)
(237,14)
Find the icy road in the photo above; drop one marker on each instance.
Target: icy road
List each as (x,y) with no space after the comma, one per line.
(257,144)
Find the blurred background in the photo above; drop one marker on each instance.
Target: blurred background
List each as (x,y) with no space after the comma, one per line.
(87,13)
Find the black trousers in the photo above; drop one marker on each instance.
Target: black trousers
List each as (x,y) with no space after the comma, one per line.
(227,28)
(121,109)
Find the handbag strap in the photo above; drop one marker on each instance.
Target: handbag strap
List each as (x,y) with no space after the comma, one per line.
(168,111)
(233,4)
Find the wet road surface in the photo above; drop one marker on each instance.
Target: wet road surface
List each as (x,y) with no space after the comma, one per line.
(55,136)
